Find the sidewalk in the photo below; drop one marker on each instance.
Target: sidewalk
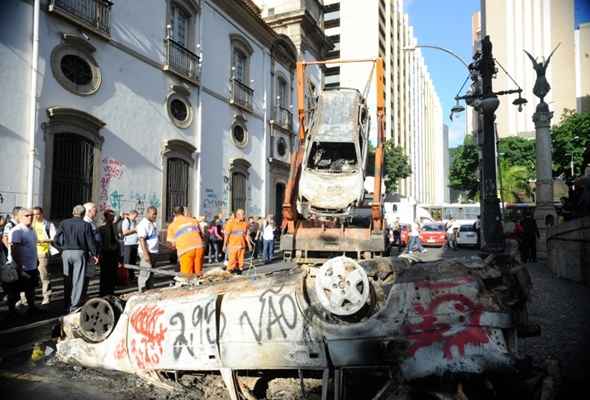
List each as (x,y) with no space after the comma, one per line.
(52,311)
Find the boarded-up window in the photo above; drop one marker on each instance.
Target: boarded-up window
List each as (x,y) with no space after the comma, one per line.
(73,159)
(238,191)
(177,185)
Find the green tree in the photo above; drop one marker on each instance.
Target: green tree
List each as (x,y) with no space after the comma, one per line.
(515,182)
(463,173)
(570,139)
(396,165)
(516,151)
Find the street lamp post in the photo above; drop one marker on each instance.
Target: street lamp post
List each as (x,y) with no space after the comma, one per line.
(492,235)
(485,101)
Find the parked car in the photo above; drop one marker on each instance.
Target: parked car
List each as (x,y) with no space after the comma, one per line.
(467,236)
(433,234)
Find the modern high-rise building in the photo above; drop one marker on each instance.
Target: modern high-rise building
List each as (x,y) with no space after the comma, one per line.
(582,42)
(413,113)
(537,26)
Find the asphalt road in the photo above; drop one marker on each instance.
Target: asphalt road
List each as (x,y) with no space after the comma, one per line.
(560,307)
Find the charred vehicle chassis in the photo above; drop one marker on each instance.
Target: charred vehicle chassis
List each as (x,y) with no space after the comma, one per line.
(414,321)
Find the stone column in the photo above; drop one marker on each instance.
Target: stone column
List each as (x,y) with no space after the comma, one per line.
(544,187)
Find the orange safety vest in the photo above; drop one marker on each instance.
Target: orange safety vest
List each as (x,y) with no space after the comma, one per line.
(236,232)
(185,233)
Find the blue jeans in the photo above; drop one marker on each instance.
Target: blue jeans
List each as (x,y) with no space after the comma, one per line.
(415,242)
(267,250)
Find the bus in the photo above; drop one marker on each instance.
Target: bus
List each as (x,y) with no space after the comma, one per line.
(446,211)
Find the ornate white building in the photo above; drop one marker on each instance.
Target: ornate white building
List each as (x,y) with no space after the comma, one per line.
(144,102)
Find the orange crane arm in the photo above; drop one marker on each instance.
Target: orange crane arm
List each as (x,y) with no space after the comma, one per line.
(290,203)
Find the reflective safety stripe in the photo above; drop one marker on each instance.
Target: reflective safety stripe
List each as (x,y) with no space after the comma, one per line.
(186,229)
(237,233)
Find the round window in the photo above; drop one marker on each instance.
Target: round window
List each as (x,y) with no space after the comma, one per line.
(179,110)
(282,147)
(76,69)
(239,135)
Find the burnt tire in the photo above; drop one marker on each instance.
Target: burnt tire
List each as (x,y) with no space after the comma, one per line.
(98,318)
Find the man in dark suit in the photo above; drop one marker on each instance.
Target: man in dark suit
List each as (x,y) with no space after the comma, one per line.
(76,240)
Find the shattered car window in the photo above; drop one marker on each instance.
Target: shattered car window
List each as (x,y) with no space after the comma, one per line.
(332,157)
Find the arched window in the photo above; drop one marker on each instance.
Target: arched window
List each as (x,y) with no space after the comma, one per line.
(177,190)
(72,160)
(73,169)
(279,199)
(241,52)
(239,183)
(177,160)
(239,192)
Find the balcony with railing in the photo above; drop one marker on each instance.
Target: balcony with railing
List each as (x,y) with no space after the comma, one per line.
(241,95)
(282,117)
(94,15)
(181,61)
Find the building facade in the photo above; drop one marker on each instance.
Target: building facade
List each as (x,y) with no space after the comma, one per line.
(413,113)
(582,43)
(537,26)
(302,22)
(134,108)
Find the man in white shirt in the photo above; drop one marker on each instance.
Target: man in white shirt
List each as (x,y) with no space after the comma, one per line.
(268,240)
(23,243)
(130,240)
(147,234)
(415,238)
(452,230)
(90,217)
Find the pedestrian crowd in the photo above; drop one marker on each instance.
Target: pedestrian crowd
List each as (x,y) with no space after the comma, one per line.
(400,235)
(87,250)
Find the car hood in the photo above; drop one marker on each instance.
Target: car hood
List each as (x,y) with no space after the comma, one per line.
(330,190)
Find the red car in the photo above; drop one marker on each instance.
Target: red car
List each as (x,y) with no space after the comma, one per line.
(433,235)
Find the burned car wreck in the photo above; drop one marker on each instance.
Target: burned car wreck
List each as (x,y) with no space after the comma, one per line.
(333,171)
(412,320)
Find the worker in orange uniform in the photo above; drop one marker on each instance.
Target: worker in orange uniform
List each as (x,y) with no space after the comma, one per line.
(184,234)
(235,241)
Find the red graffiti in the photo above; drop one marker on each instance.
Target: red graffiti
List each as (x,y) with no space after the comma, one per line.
(430,331)
(111,169)
(121,349)
(147,347)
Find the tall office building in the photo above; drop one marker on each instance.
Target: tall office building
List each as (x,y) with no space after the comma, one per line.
(413,113)
(582,42)
(537,26)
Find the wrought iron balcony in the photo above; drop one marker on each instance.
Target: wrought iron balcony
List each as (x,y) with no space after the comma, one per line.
(181,61)
(282,117)
(241,95)
(94,15)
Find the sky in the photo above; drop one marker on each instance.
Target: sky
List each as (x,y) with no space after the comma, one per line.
(445,24)
(582,11)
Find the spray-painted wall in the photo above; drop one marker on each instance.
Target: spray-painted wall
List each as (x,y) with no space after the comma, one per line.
(131,101)
(218,116)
